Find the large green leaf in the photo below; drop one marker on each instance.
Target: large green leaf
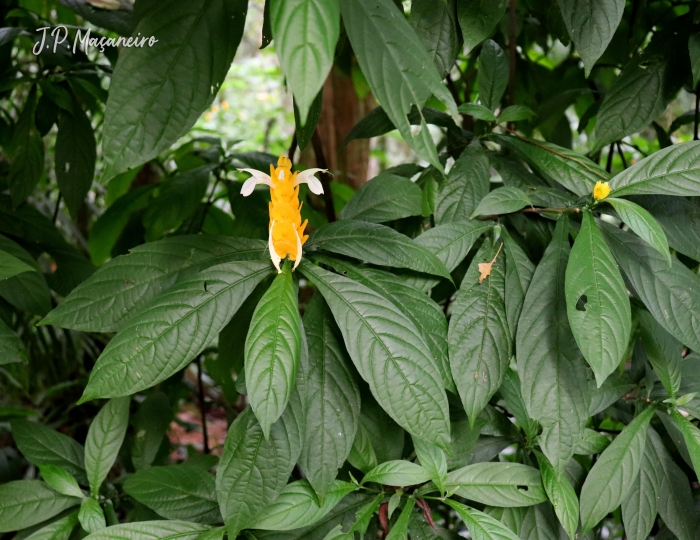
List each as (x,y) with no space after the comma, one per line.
(640,507)
(158,92)
(503,200)
(273,346)
(11,266)
(492,76)
(44,446)
(466,184)
(561,494)
(672,171)
(333,401)
(306,54)
(11,346)
(643,223)
(297,506)
(24,503)
(612,476)
(375,244)
(173,329)
(672,295)
(389,354)
(451,242)
(591,25)
(385,437)
(694,50)
(664,352)
(75,158)
(573,171)
(151,422)
(253,471)
(436,26)
(384,198)
(398,68)
(105,301)
(60,529)
(596,301)
(478,337)
(176,492)
(498,484)
(552,371)
(104,439)
(481,526)
(519,272)
(635,99)
(397,473)
(26,290)
(61,481)
(478,18)
(26,153)
(152,530)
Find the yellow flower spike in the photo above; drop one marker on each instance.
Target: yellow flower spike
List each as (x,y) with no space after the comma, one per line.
(601,190)
(286,234)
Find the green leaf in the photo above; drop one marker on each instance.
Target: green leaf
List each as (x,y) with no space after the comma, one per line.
(26,153)
(435,24)
(397,67)
(478,18)
(552,372)
(384,198)
(333,401)
(273,346)
(297,506)
(664,352)
(377,122)
(399,530)
(643,223)
(44,446)
(519,271)
(434,461)
(389,354)
(691,436)
(672,295)
(173,329)
(478,337)
(596,301)
(158,92)
(503,200)
(640,507)
(27,291)
(75,158)
(492,76)
(176,492)
(635,99)
(11,266)
(375,244)
(24,503)
(467,183)
(151,423)
(105,301)
(592,443)
(540,523)
(556,164)
(694,50)
(151,530)
(104,439)
(306,132)
(612,476)
(672,171)
(591,25)
(362,455)
(481,526)
(477,111)
(213,534)
(385,436)
(60,529)
(498,484)
(561,494)
(512,395)
(306,55)
(60,480)
(91,517)
(253,471)
(11,346)
(397,473)
(515,113)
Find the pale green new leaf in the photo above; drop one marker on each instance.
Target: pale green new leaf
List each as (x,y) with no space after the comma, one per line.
(561,494)
(173,329)
(399,530)
(477,111)
(503,200)
(305,53)
(44,446)
(478,18)
(397,473)
(552,371)
(643,223)
(432,459)
(597,304)
(91,516)
(389,354)
(515,113)
(158,92)
(691,436)
(298,507)
(151,530)
(498,484)
(384,198)
(612,476)
(60,480)
(492,76)
(104,439)
(273,346)
(664,352)
(640,507)
(591,443)
(481,526)
(176,492)
(24,503)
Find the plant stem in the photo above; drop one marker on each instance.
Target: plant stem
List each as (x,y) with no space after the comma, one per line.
(697,113)
(292,147)
(58,204)
(325,182)
(611,150)
(622,155)
(202,406)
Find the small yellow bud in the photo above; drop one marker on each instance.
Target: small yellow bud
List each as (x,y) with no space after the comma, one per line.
(224,105)
(601,190)
(208,117)
(215,108)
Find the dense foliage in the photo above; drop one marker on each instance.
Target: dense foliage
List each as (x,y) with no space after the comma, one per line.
(500,340)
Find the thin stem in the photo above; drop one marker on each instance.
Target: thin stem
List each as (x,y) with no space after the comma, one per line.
(697,113)
(622,155)
(202,405)
(293,147)
(611,150)
(323,164)
(58,204)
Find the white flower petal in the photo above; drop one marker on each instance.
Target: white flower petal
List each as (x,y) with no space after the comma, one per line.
(257,178)
(296,263)
(307,177)
(276,259)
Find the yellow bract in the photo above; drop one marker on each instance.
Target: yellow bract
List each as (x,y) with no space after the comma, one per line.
(601,190)
(286,229)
